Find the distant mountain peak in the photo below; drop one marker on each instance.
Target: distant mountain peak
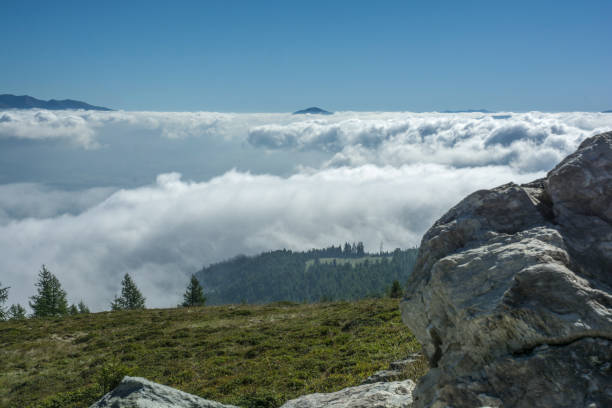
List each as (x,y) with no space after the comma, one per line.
(8,101)
(313,111)
(468,111)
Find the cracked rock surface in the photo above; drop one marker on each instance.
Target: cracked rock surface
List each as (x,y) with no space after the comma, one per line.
(511,296)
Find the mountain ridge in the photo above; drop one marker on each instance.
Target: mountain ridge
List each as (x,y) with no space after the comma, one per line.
(9,101)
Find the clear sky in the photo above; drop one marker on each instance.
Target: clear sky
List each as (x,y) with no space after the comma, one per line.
(255,56)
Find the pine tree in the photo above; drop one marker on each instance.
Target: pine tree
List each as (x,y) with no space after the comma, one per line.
(396,290)
(360,249)
(51,298)
(194,296)
(3,297)
(72,310)
(130,298)
(83,309)
(16,312)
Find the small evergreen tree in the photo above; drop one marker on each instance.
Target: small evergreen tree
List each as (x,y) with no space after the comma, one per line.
(130,298)
(72,310)
(83,309)
(194,296)
(396,290)
(51,298)
(16,312)
(3,297)
(360,249)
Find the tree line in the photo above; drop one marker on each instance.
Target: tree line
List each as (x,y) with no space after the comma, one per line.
(309,276)
(343,272)
(51,299)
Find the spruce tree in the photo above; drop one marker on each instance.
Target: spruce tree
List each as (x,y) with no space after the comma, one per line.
(396,290)
(3,297)
(16,312)
(51,298)
(73,310)
(130,298)
(194,296)
(83,309)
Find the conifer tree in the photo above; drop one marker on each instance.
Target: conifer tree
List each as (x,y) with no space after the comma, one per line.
(3,297)
(83,309)
(16,312)
(396,290)
(194,296)
(130,298)
(51,298)
(73,310)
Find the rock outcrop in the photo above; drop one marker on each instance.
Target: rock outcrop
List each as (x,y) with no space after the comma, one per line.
(135,392)
(394,394)
(511,296)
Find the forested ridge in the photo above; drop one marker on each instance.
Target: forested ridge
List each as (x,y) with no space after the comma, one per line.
(333,273)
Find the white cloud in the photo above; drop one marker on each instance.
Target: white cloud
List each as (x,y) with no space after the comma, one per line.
(86,128)
(48,125)
(163,232)
(524,141)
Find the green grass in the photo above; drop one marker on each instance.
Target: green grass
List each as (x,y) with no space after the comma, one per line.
(250,356)
(352,261)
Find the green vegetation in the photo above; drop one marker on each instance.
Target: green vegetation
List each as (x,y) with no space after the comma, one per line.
(396,290)
(331,273)
(352,261)
(51,298)
(131,298)
(16,312)
(247,355)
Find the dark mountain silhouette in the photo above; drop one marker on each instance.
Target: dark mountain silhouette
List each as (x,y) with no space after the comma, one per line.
(607,111)
(468,111)
(313,110)
(8,101)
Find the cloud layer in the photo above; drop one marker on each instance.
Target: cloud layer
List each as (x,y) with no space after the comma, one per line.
(526,142)
(163,232)
(94,195)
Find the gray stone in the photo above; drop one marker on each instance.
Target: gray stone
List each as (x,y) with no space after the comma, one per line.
(384,376)
(395,372)
(135,392)
(395,394)
(511,296)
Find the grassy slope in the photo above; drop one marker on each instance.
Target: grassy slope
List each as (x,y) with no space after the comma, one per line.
(251,356)
(352,261)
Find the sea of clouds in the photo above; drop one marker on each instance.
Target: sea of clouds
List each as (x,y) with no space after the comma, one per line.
(94,195)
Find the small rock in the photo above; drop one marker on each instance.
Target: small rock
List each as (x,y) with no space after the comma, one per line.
(384,376)
(136,392)
(394,373)
(396,394)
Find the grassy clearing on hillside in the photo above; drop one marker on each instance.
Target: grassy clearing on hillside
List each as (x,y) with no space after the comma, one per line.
(250,356)
(352,261)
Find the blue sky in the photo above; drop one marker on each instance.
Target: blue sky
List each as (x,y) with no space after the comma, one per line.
(281,56)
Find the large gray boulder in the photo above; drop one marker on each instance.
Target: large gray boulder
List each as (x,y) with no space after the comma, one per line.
(136,392)
(394,394)
(511,296)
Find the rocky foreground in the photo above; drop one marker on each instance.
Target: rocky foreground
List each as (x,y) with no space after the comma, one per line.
(511,299)
(511,296)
